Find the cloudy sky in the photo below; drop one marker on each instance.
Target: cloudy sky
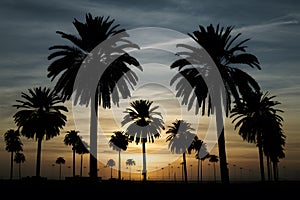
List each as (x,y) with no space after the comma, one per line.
(28,29)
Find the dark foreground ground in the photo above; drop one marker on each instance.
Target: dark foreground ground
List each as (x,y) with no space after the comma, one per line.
(55,189)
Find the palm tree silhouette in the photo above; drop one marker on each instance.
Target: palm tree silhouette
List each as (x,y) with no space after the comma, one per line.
(81,148)
(201,154)
(72,139)
(258,122)
(214,159)
(198,80)
(71,64)
(40,117)
(119,141)
(13,145)
(19,159)
(130,162)
(60,161)
(180,140)
(145,124)
(111,163)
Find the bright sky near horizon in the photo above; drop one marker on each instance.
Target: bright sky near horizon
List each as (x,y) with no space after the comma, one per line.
(28,30)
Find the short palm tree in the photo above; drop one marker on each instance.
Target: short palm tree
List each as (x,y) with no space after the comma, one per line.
(19,159)
(257,122)
(199,146)
(13,145)
(60,161)
(71,139)
(111,163)
(198,80)
(81,148)
(119,141)
(145,124)
(40,117)
(180,140)
(130,162)
(92,88)
(214,159)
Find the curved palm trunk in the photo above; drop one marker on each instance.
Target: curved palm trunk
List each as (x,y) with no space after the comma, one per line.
(119,172)
(38,158)
(93,137)
(11,164)
(74,163)
(184,167)
(144,172)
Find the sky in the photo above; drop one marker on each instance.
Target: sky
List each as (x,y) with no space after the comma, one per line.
(28,29)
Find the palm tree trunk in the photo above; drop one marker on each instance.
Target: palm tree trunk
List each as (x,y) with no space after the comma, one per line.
(198,170)
(261,161)
(38,158)
(184,166)
(93,136)
(20,171)
(81,161)
(221,143)
(268,167)
(144,172)
(119,172)
(59,171)
(201,170)
(74,163)
(11,165)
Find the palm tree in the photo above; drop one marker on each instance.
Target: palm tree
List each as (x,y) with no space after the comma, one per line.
(60,161)
(130,162)
(258,122)
(145,124)
(214,159)
(119,141)
(13,145)
(71,139)
(209,81)
(201,154)
(40,117)
(180,140)
(84,79)
(19,159)
(111,163)
(81,148)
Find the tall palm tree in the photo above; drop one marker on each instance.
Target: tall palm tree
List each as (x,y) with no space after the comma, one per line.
(214,159)
(119,141)
(258,122)
(13,145)
(111,163)
(70,65)
(144,124)
(81,148)
(72,139)
(40,117)
(19,159)
(180,139)
(198,80)
(60,161)
(130,162)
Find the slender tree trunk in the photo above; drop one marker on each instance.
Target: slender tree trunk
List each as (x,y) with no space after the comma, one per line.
(198,178)
(73,162)
(184,166)
(81,161)
(144,172)
(93,137)
(268,168)
(59,171)
(11,165)
(221,139)
(261,161)
(119,171)
(38,158)
(20,171)
(201,170)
